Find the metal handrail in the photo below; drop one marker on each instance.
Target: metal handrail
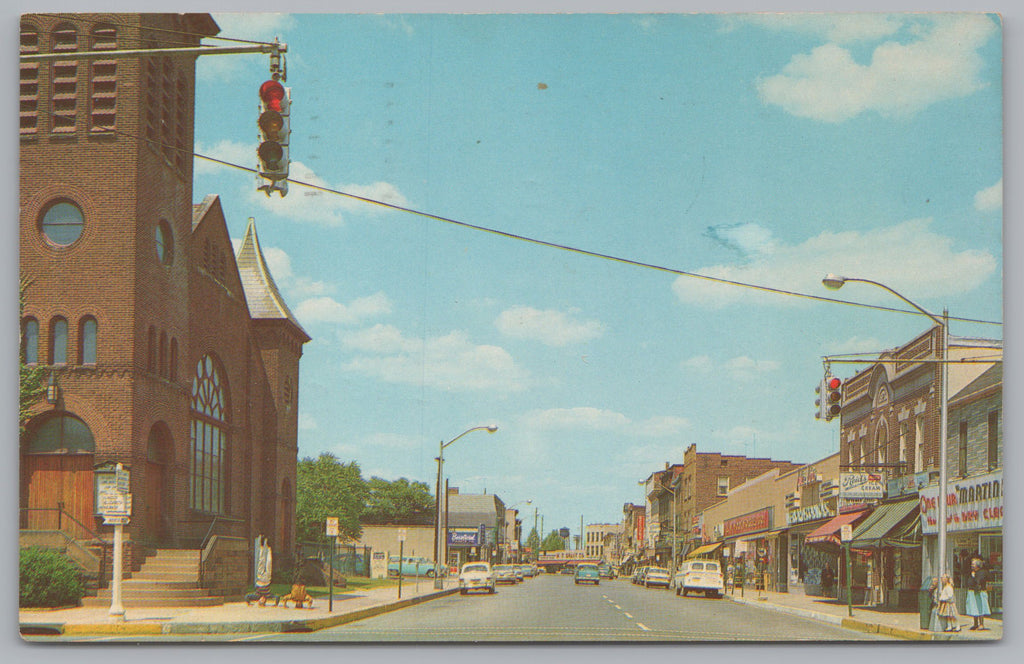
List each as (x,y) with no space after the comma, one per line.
(94,536)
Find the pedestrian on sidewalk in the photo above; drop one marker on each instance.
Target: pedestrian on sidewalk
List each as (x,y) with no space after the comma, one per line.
(977,594)
(947,606)
(828,580)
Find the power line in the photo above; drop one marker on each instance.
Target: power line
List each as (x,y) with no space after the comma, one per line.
(569,248)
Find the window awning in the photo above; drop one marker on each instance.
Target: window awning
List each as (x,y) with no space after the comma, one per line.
(828,534)
(887,519)
(701,550)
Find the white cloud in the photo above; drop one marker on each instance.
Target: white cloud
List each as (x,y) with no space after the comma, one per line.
(744,367)
(747,239)
(449,362)
(701,363)
(302,204)
(833,27)
(595,419)
(991,199)
(932,269)
(328,310)
(855,345)
(901,79)
(552,328)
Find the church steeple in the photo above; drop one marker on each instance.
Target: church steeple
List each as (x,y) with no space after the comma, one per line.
(261,292)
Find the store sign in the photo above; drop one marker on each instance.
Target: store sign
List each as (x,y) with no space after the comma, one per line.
(906,485)
(806,475)
(697,525)
(748,523)
(463,537)
(859,486)
(809,513)
(974,503)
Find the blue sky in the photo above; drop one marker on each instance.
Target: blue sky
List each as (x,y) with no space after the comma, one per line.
(762,149)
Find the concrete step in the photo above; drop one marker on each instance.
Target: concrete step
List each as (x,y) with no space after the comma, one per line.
(148,592)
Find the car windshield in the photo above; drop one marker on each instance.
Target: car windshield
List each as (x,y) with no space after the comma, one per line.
(696,566)
(502,568)
(475,568)
(657,570)
(712,567)
(588,568)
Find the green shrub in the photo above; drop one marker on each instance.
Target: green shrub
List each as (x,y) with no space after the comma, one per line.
(47,577)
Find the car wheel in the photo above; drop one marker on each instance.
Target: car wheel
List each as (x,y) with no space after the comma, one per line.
(462,591)
(685,591)
(430,574)
(678,590)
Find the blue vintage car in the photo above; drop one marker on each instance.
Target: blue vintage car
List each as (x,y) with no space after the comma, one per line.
(411,566)
(587,573)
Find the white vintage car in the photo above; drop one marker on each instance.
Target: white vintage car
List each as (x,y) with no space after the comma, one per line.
(700,576)
(476,576)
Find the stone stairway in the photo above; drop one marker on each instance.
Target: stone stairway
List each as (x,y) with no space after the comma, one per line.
(168,578)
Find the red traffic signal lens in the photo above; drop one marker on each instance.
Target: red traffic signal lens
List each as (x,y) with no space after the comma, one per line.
(272,92)
(834,383)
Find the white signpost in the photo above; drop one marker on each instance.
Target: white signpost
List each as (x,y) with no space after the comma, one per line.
(115,506)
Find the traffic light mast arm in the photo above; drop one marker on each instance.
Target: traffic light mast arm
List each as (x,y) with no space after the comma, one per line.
(274,48)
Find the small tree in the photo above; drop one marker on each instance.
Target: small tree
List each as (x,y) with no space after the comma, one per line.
(326,487)
(533,541)
(553,542)
(46,578)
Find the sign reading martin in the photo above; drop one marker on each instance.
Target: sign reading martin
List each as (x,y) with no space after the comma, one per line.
(974,503)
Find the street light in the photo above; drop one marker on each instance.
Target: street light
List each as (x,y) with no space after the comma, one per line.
(834,282)
(437,520)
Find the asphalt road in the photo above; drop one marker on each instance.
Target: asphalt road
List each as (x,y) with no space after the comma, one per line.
(551,608)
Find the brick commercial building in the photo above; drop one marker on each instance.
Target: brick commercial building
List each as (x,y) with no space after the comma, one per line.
(167,352)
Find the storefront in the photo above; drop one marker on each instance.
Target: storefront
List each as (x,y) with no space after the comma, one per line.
(825,539)
(804,563)
(888,545)
(752,545)
(974,527)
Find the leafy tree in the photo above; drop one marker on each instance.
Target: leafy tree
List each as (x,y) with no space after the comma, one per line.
(31,380)
(400,501)
(325,487)
(552,542)
(533,541)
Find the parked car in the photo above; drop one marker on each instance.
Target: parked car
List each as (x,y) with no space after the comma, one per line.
(504,574)
(606,571)
(638,574)
(528,571)
(568,569)
(518,571)
(656,576)
(476,576)
(587,573)
(411,566)
(700,576)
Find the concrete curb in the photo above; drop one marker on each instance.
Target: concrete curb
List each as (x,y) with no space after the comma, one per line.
(848,623)
(238,627)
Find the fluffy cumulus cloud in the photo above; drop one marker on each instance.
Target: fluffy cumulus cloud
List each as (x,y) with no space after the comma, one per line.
(552,328)
(937,63)
(302,204)
(326,309)
(991,199)
(933,269)
(599,420)
(449,362)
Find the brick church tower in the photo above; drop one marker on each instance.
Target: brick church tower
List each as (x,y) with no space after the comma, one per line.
(167,353)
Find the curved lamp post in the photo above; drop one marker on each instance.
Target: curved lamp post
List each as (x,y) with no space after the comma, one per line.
(437,520)
(834,282)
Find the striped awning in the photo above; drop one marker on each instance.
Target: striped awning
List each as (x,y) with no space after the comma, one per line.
(702,550)
(828,534)
(875,530)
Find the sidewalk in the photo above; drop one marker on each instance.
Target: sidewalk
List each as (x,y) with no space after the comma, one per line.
(233,617)
(865,618)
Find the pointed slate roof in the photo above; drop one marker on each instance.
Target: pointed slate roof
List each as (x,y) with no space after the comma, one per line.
(261,293)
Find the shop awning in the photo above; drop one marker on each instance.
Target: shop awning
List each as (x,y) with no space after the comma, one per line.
(886,520)
(701,550)
(828,534)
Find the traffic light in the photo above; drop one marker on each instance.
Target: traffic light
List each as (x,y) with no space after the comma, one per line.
(274,129)
(821,390)
(833,397)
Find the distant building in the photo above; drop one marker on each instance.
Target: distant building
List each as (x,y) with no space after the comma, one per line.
(475,525)
(599,540)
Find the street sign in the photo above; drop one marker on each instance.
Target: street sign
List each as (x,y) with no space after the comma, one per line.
(122,479)
(332,526)
(114,504)
(846,533)
(116,520)
(401,534)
